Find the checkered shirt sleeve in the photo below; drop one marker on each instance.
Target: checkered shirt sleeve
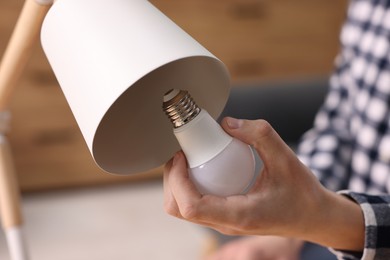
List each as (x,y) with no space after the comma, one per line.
(348,147)
(376,212)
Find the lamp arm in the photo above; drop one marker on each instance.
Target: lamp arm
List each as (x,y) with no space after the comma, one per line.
(15,58)
(10,206)
(20,46)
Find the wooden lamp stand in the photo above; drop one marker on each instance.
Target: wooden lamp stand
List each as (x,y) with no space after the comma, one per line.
(17,54)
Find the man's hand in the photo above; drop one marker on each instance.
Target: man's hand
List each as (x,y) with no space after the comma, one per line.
(286,200)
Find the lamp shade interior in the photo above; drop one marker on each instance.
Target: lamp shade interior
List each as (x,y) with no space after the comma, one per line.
(135,135)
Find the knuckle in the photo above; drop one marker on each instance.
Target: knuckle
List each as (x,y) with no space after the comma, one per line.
(263,128)
(171,209)
(189,211)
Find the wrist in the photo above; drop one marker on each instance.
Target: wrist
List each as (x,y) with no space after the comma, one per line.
(338,223)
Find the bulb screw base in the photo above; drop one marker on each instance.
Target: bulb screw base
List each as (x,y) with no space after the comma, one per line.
(180,107)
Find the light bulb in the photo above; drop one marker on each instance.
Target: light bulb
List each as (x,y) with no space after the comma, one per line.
(218,163)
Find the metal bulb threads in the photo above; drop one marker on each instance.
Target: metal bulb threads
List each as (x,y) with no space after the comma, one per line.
(180,107)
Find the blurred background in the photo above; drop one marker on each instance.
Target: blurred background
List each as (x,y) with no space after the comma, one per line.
(72,209)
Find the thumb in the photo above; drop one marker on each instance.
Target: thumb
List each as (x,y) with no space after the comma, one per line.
(259,134)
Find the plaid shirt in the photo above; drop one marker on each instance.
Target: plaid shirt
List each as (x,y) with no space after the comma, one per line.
(349,145)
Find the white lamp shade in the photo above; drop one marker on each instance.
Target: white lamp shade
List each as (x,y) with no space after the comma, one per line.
(114,60)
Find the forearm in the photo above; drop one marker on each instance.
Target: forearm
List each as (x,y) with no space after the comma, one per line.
(338,223)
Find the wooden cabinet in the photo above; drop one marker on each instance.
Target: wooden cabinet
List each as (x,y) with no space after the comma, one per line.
(257,39)
(260,39)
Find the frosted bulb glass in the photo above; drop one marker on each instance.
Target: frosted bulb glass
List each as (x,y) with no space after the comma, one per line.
(228,173)
(219,164)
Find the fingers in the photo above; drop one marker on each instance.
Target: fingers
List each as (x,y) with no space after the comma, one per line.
(182,200)
(259,134)
(192,205)
(170,205)
(181,186)
(180,195)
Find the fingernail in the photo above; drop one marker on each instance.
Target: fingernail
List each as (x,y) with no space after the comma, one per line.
(234,123)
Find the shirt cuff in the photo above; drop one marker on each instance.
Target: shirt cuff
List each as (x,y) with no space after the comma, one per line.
(376,212)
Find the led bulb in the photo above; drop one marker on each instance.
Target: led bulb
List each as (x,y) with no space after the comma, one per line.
(218,163)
